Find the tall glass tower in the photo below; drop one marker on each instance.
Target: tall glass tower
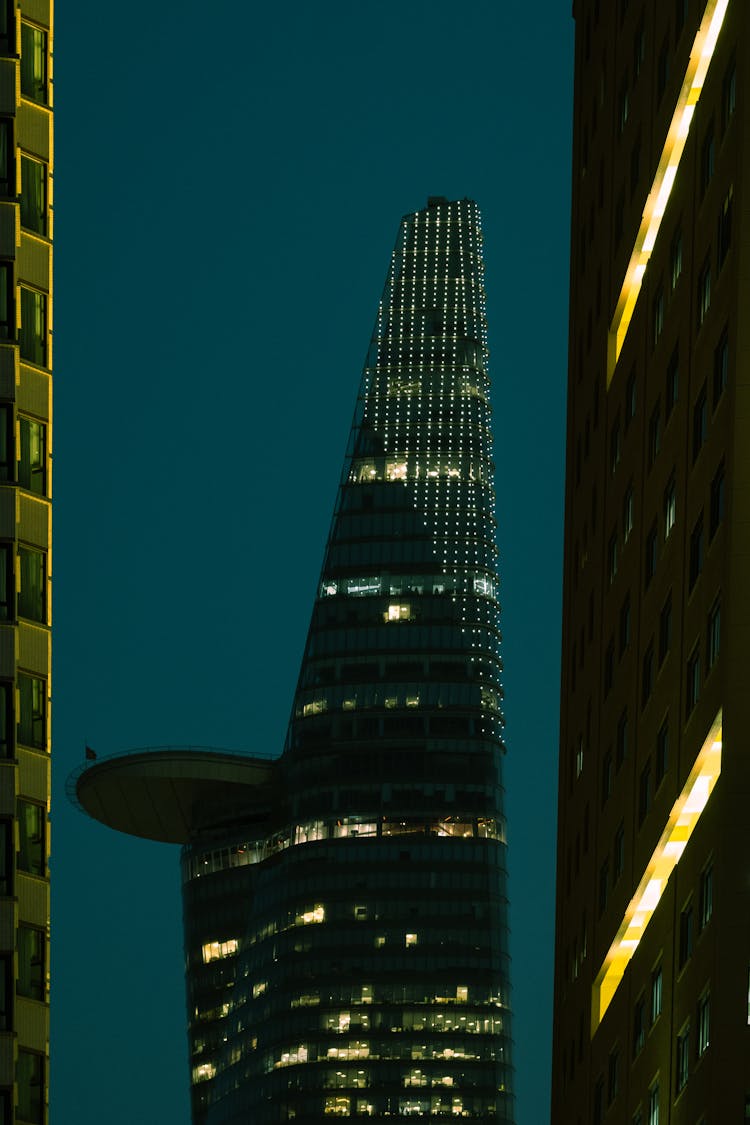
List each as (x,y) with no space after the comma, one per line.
(346,915)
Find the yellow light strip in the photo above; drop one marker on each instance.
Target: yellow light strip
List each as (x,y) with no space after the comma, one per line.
(682,820)
(656,203)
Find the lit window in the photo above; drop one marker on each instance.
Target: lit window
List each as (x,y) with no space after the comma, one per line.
(203,1072)
(397,613)
(314,707)
(33,63)
(395,470)
(360,913)
(316,914)
(411,939)
(216,950)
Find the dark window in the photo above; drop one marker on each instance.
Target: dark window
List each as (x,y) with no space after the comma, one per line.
(606,777)
(704,1023)
(635,165)
(653,1105)
(33,63)
(33,195)
(717,500)
(618,865)
(724,229)
(630,399)
(708,157)
(627,513)
(7,47)
(662,69)
(704,291)
(675,259)
(673,382)
(7,466)
(6,857)
(713,637)
(693,680)
(665,629)
(651,553)
(33,333)
(615,446)
(654,435)
(7,303)
(31,827)
(624,104)
(612,556)
(624,625)
(603,885)
(6,1006)
(680,15)
(32,703)
(662,752)
(30,962)
(621,742)
(686,933)
(706,896)
(7,583)
(639,1025)
(696,551)
(721,366)
(609,666)
(670,507)
(683,1058)
(32,463)
(729,94)
(31,595)
(639,49)
(658,315)
(700,421)
(30,1079)
(645,792)
(7,161)
(599,1102)
(648,676)
(613,1077)
(656,993)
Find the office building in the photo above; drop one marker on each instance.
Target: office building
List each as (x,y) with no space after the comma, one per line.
(25,529)
(345,904)
(652,1015)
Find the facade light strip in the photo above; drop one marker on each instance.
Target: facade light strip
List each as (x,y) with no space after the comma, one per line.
(701,54)
(683,818)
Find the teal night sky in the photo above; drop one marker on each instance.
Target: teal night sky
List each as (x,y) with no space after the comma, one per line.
(229,184)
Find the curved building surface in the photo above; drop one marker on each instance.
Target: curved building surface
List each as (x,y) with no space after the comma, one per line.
(345,921)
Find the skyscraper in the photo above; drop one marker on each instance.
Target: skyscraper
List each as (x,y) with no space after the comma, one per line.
(25,530)
(345,904)
(652,1023)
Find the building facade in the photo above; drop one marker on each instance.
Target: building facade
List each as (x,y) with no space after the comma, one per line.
(652,1016)
(346,922)
(25,561)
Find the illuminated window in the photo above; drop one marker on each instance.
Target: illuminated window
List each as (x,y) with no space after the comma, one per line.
(397,613)
(683,1059)
(316,914)
(33,63)
(379,941)
(215,950)
(360,913)
(411,939)
(203,1072)
(395,470)
(314,707)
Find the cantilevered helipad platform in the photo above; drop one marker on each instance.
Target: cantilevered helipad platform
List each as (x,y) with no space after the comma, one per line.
(171,793)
